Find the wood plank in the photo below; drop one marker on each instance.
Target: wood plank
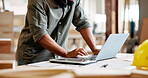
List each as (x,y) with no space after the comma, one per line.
(5,46)
(144,30)
(40,73)
(111,11)
(7,64)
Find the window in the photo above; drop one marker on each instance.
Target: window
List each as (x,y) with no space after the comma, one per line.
(19,7)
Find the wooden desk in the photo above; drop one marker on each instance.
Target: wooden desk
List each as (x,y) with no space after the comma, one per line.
(46,69)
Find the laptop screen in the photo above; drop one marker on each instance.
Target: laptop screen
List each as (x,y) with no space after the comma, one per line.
(112,46)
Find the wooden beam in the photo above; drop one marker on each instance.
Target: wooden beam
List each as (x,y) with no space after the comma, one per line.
(3,3)
(111,11)
(116,10)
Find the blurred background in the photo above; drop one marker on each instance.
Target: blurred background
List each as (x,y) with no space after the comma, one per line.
(105,16)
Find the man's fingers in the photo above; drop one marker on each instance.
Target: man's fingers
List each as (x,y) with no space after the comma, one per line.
(83,51)
(79,53)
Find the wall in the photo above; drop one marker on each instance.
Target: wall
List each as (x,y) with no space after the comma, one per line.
(100,6)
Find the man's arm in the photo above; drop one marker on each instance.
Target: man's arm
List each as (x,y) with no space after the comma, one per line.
(89,38)
(47,42)
(82,25)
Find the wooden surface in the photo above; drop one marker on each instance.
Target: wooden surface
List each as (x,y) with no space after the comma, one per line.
(34,72)
(41,73)
(144,30)
(51,70)
(5,45)
(131,76)
(6,24)
(7,64)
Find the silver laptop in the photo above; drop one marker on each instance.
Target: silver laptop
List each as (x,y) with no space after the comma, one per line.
(109,50)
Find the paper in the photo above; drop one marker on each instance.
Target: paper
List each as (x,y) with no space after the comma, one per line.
(144,72)
(99,72)
(124,55)
(129,59)
(118,64)
(44,64)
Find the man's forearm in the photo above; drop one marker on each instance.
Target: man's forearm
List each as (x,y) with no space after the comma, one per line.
(89,38)
(47,42)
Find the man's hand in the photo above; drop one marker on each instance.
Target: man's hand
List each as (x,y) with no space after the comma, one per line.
(89,38)
(76,52)
(96,51)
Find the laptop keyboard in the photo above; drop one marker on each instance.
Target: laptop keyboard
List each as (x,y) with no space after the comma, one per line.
(91,57)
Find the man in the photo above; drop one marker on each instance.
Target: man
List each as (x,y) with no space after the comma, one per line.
(46,28)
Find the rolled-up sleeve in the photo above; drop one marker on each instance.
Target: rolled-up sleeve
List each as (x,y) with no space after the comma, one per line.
(79,19)
(37,20)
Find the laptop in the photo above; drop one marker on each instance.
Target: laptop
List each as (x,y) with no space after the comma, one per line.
(109,50)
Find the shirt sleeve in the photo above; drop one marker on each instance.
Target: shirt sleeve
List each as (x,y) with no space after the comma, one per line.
(37,19)
(79,18)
